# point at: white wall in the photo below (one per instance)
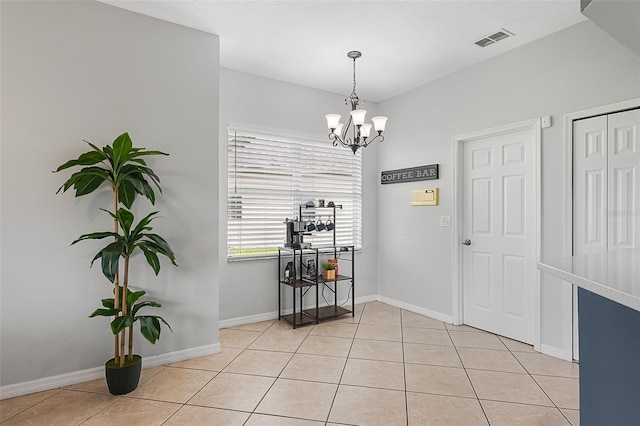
(85, 70)
(249, 288)
(574, 69)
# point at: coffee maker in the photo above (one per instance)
(295, 234)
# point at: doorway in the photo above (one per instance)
(497, 230)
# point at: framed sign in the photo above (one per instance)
(412, 174)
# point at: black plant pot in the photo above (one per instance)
(121, 380)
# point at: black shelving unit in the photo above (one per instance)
(301, 285)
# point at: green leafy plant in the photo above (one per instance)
(329, 266)
(123, 168)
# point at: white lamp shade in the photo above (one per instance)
(379, 122)
(338, 130)
(332, 120)
(358, 116)
(365, 129)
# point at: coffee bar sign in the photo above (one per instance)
(412, 174)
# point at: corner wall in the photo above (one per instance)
(574, 69)
(85, 70)
(249, 288)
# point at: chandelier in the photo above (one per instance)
(361, 130)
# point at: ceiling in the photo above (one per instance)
(404, 44)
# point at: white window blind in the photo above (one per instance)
(270, 176)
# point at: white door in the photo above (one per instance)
(499, 229)
(606, 187)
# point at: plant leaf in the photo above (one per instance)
(152, 258)
(120, 323)
(141, 305)
(110, 256)
(133, 297)
(150, 328)
(121, 148)
(86, 159)
(126, 193)
(104, 312)
(95, 236)
(125, 219)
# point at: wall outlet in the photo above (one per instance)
(445, 221)
(545, 121)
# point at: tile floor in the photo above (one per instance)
(385, 367)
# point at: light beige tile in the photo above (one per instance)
(572, 415)
(489, 359)
(546, 365)
(261, 363)
(280, 340)
(215, 362)
(563, 391)
(477, 340)
(507, 387)
(335, 329)
(233, 391)
(325, 345)
(134, 412)
(379, 350)
(286, 326)
(12, 406)
(64, 408)
(436, 410)
(148, 373)
(452, 327)
(255, 326)
(375, 374)
(444, 356)
(427, 336)
(509, 414)
(94, 386)
(379, 332)
(439, 380)
(266, 420)
(189, 415)
(411, 319)
(381, 317)
(300, 399)
(380, 307)
(173, 385)
(315, 368)
(368, 406)
(237, 338)
(515, 346)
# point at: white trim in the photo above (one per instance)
(569, 298)
(456, 273)
(417, 309)
(60, 380)
(273, 315)
(554, 352)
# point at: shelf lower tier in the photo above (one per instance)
(301, 318)
(325, 312)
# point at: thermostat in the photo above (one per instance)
(424, 197)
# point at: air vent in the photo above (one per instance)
(494, 38)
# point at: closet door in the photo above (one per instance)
(589, 185)
(623, 164)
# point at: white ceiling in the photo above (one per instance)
(404, 44)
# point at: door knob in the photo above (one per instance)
(466, 243)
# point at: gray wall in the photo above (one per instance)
(248, 288)
(574, 69)
(84, 70)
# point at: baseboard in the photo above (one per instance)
(232, 322)
(67, 379)
(417, 309)
(554, 352)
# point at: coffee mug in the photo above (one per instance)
(320, 203)
(320, 226)
(331, 204)
(330, 226)
(310, 226)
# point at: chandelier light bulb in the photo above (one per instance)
(358, 116)
(333, 120)
(365, 130)
(379, 122)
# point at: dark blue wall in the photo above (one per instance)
(609, 362)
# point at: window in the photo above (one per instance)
(270, 175)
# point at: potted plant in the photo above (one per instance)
(123, 167)
(329, 271)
